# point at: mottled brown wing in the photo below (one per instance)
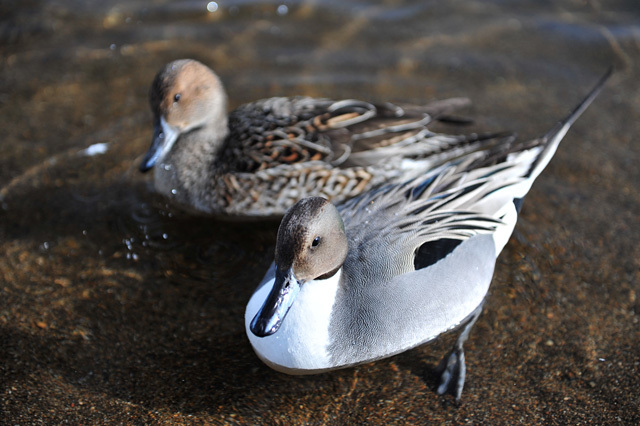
(271, 192)
(276, 131)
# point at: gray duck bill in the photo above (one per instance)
(281, 297)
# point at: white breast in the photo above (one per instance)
(301, 342)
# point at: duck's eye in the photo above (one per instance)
(176, 97)
(315, 242)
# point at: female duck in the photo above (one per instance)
(264, 156)
(395, 267)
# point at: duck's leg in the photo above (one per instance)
(452, 368)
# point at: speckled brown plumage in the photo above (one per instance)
(266, 155)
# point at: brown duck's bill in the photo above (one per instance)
(164, 136)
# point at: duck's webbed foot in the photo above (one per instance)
(452, 369)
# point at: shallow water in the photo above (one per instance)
(118, 308)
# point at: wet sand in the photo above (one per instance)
(116, 308)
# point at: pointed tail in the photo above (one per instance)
(552, 139)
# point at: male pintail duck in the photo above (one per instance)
(397, 266)
(264, 156)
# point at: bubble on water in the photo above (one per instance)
(283, 10)
(212, 6)
(132, 256)
(95, 149)
(128, 242)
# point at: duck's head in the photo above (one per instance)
(185, 95)
(311, 245)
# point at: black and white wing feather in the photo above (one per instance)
(479, 193)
